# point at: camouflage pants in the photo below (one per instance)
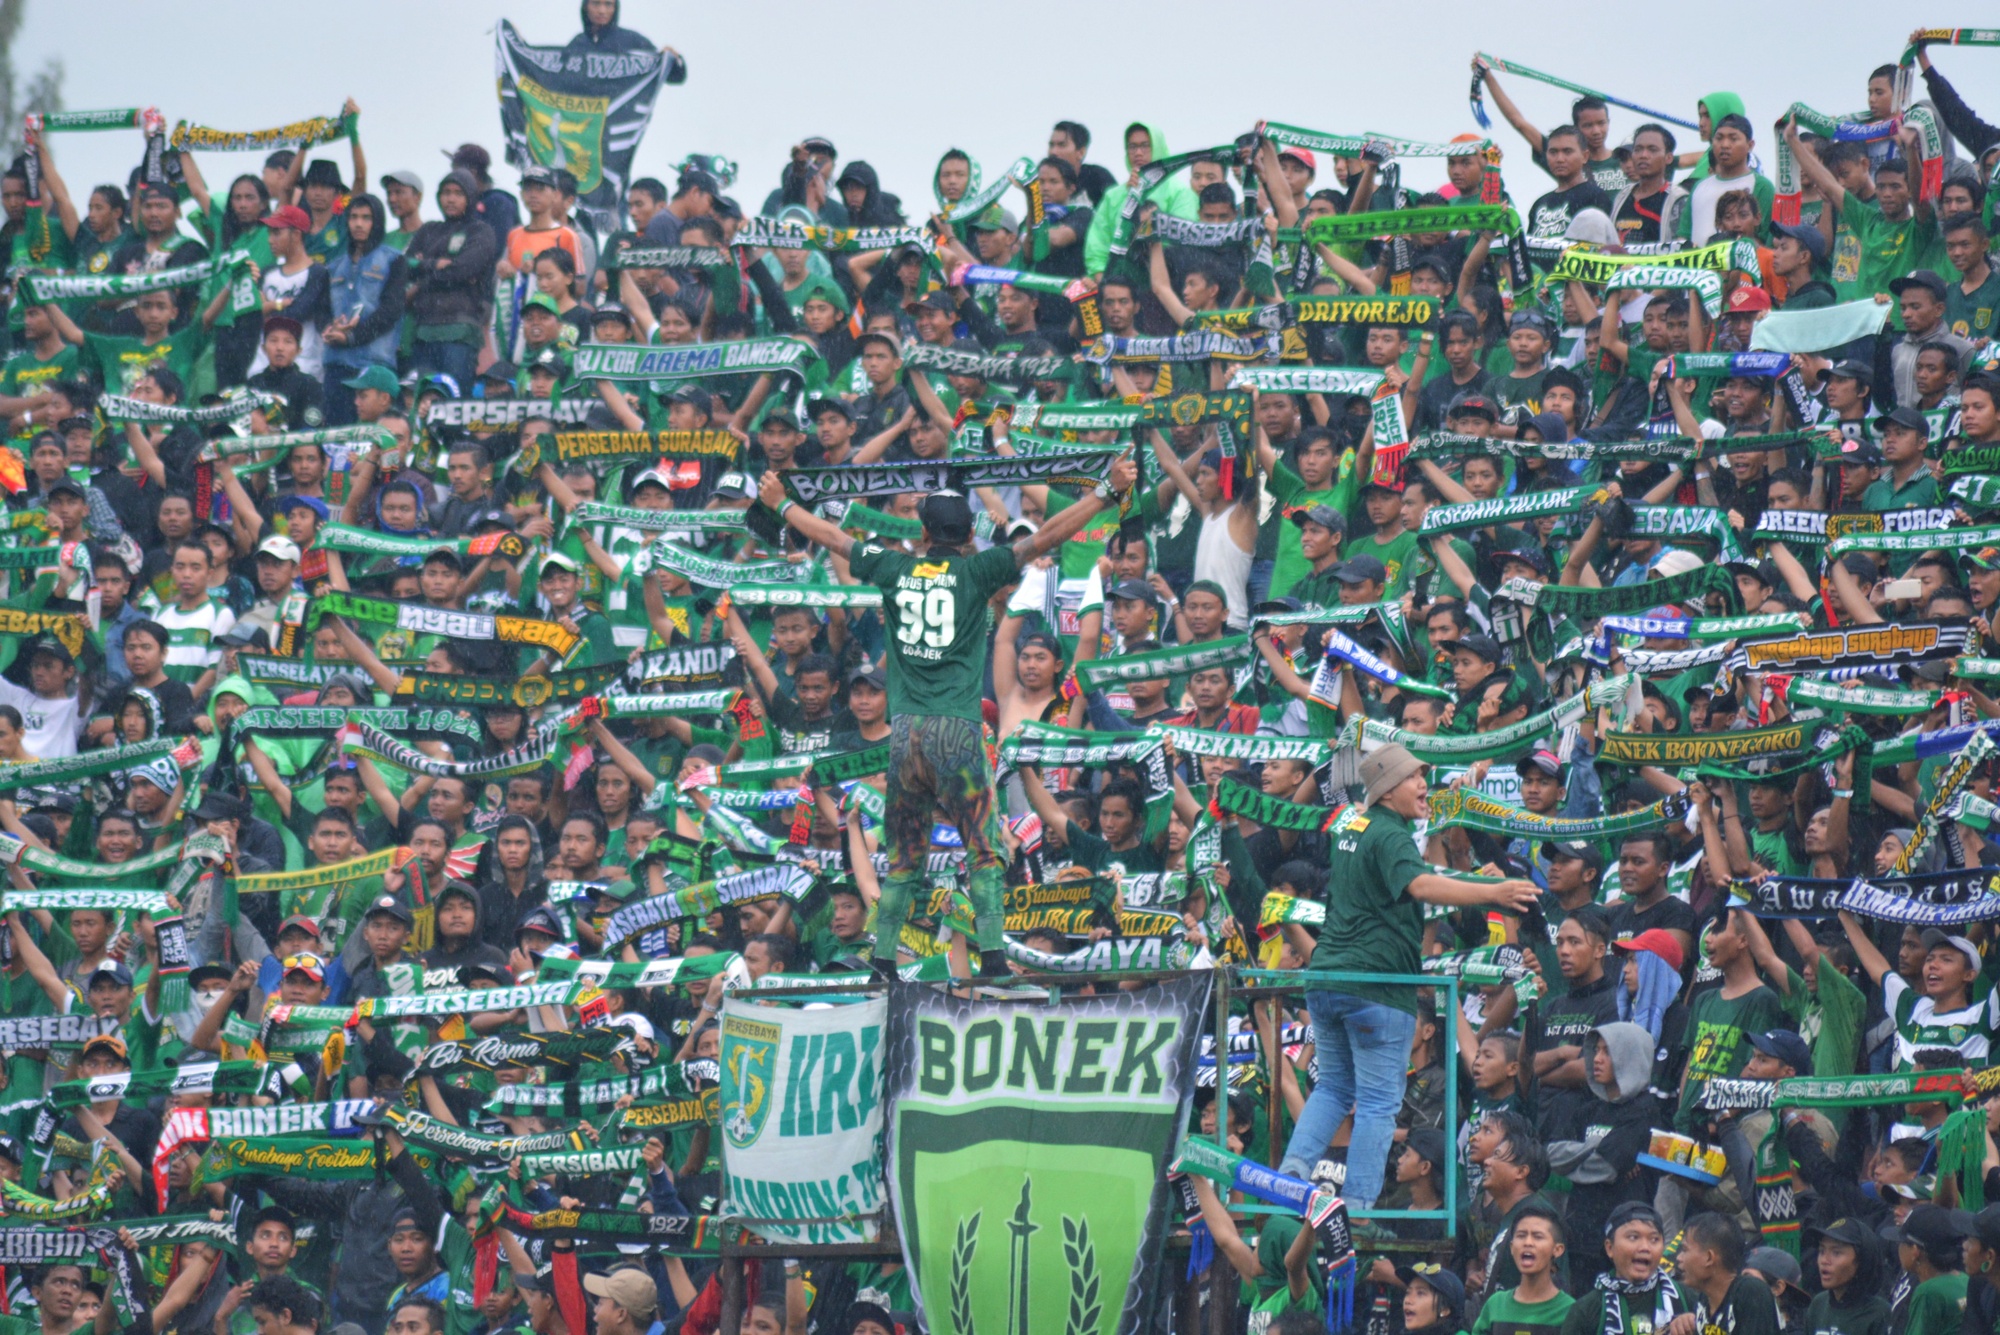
(938, 769)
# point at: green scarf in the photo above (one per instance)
(1346, 380)
(1583, 266)
(614, 447)
(306, 1158)
(666, 257)
(1584, 604)
(1445, 749)
(600, 1227)
(846, 766)
(1456, 445)
(860, 596)
(657, 521)
(854, 515)
(675, 705)
(1506, 509)
(1922, 540)
(681, 969)
(1673, 749)
(1235, 798)
(360, 433)
(1237, 746)
(1175, 661)
(1948, 781)
(89, 764)
(118, 408)
(338, 537)
(466, 1002)
(1342, 229)
(1841, 698)
(1050, 744)
(584, 1163)
(706, 572)
(267, 670)
(445, 621)
(91, 897)
(1973, 459)
(1470, 809)
(47, 287)
(456, 1142)
(70, 869)
(528, 692)
(1849, 738)
(781, 354)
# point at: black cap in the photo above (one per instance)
(1360, 569)
(1277, 606)
(49, 644)
(611, 310)
(1133, 590)
(1861, 453)
(10, 1149)
(390, 906)
(1533, 557)
(1848, 1230)
(539, 919)
(947, 517)
(1484, 645)
(1906, 417)
(68, 484)
(1926, 279)
(829, 404)
(695, 395)
(937, 300)
(1429, 1143)
(1984, 1225)
(1811, 238)
(478, 970)
(1927, 1226)
(501, 370)
(874, 676)
(1787, 1047)
(1470, 402)
(222, 806)
(1577, 850)
(1325, 516)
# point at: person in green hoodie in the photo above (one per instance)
(1709, 113)
(1143, 145)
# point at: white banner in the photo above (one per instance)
(802, 1118)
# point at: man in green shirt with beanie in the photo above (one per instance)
(1374, 924)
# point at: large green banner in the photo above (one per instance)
(1027, 1150)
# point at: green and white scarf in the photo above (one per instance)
(673, 704)
(1238, 746)
(1580, 603)
(1176, 661)
(1505, 509)
(471, 1001)
(805, 595)
(1048, 744)
(1234, 798)
(153, 902)
(1347, 380)
(90, 764)
(1349, 228)
(1445, 749)
(118, 408)
(1008, 370)
(46, 287)
(339, 537)
(1920, 540)
(1844, 698)
(706, 572)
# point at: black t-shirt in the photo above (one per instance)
(1565, 1022)
(1638, 219)
(1550, 216)
(1670, 913)
(303, 395)
(1436, 396)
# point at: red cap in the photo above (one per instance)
(291, 216)
(1304, 155)
(300, 920)
(312, 966)
(1747, 298)
(1654, 941)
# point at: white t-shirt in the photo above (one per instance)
(282, 287)
(1701, 204)
(48, 726)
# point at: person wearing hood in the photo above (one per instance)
(807, 183)
(1143, 145)
(868, 205)
(518, 884)
(601, 35)
(452, 264)
(1617, 1060)
(459, 939)
(1708, 114)
(1849, 1261)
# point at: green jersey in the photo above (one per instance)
(1504, 1314)
(1970, 314)
(1937, 1306)
(1718, 1047)
(121, 360)
(935, 610)
(1869, 250)
(1867, 1315)
(1288, 495)
(25, 374)
(1372, 925)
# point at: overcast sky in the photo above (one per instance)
(896, 82)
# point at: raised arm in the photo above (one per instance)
(1522, 124)
(1864, 949)
(747, 650)
(1055, 823)
(824, 532)
(1163, 285)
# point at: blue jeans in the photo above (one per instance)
(457, 360)
(1363, 1049)
(1260, 580)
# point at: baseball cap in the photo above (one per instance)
(1984, 1225)
(10, 1149)
(375, 377)
(1852, 369)
(1906, 417)
(887, 340)
(1774, 1263)
(1928, 1227)
(1811, 238)
(937, 300)
(111, 1042)
(1676, 562)
(1303, 155)
(1986, 558)
(468, 974)
(559, 561)
(539, 919)
(290, 215)
(874, 676)
(540, 301)
(1468, 402)
(1543, 759)
(279, 323)
(1132, 590)
(1578, 850)
(1532, 557)
(280, 547)
(993, 218)
(693, 394)
(829, 404)
(1360, 569)
(68, 484)
(1934, 938)
(1850, 1231)
(302, 922)
(501, 372)
(1861, 453)
(1278, 606)
(1747, 300)
(119, 975)
(1442, 1281)
(389, 906)
(535, 174)
(312, 503)
(1325, 516)
(610, 310)
(307, 963)
(1654, 941)
(1429, 1143)
(729, 484)
(549, 360)
(1926, 279)
(408, 178)
(1483, 645)
(1787, 1047)
(631, 1289)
